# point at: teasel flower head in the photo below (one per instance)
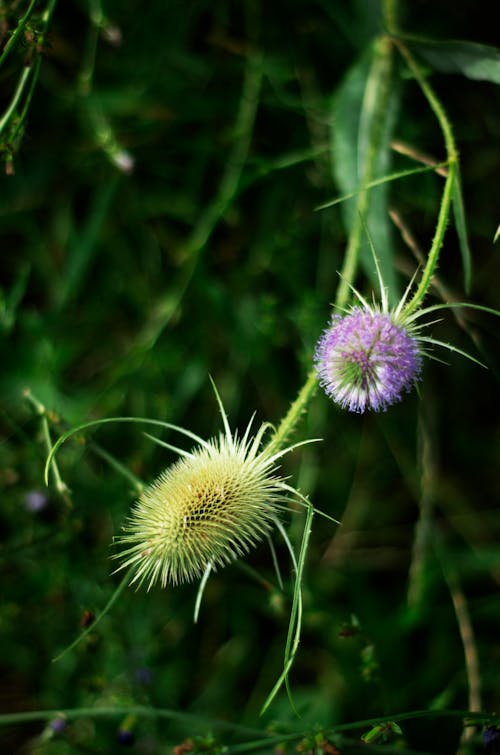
(205, 510)
(370, 354)
(366, 359)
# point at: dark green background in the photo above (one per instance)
(96, 255)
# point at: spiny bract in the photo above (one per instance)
(205, 510)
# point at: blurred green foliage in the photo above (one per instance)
(158, 224)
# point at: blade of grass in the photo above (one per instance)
(461, 226)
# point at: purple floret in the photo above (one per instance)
(35, 501)
(365, 360)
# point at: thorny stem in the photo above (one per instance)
(452, 161)
(295, 412)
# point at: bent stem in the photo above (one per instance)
(41, 411)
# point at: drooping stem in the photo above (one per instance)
(41, 411)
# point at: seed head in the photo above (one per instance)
(208, 508)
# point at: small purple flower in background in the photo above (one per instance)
(366, 360)
(35, 501)
(57, 725)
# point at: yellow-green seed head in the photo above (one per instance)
(208, 508)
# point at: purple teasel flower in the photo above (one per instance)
(371, 354)
(366, 360)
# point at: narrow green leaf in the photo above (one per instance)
(379, 182)
(474, 60)
(461, 226)
(295, 623)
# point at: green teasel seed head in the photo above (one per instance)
(206, 509)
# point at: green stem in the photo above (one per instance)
(32, 70)
(89, 58)
(446, 200)
(41, 411)
(24, 112)
(380, 79)
(17, 32)
(46, 18)
(141, 711)
(378, 83)
(191, 719)
(11, 109)
(293, 415)
(423, 529)
(390, 15)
